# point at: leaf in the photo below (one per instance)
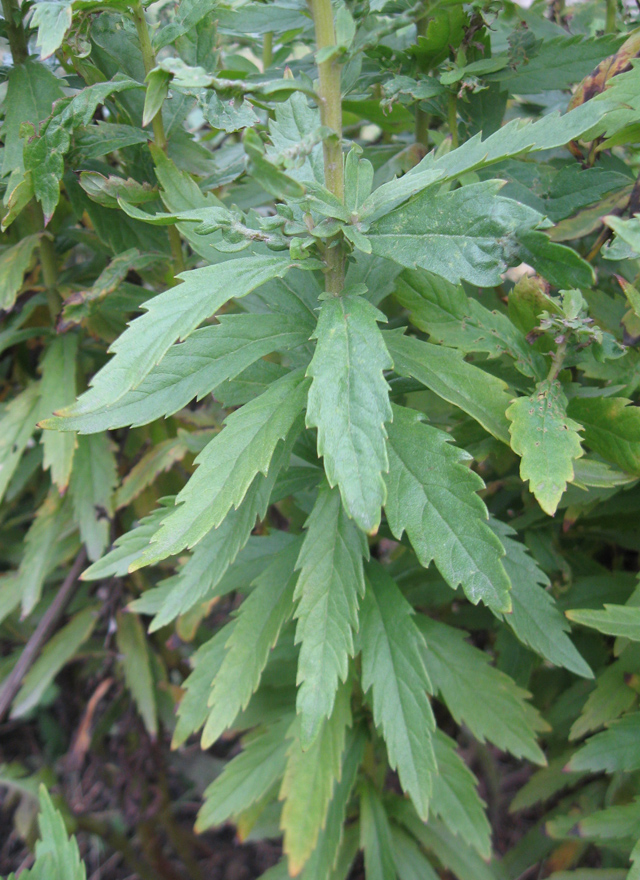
(58, 388)
(292, 134)
(58, 651)
(31, 91)
(489, 702)
(246, 778)
(547, 441)
(375, 835)
(613, 823)
(468, 233)
(309, 782)
(410, 861)
(612, 695)
(611, 428)
(57, 854)
(197, 367)
(260, 619)
(136, 663)
(17, 424)
(330, 582)
(613, 750)
(127, 549)
(445, 372)
(349, 404)
(157, 90)
(535, 618)
(158, 460)
(53, 20)
(44, 548)
(393, 667)
(455, 798)
(613, 620)
(14, 262)
(229, 463)
(433, 496)
(327, 849)
(169, 316)
(92, 487)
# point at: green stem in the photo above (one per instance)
(330, 101)
(612, 11)
(422, 118)
(452, 112)
(267, 51)
(557, 361)
(15, 31)
(159, 134)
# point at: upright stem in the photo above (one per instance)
(159, 134)
(15, 32)
(452, 108)
(612, 11)
(422, 118)
(267, 51)
(330, 100)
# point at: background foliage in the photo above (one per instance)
(319, 442)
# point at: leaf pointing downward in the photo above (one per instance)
(349, 404)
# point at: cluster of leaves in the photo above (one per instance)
(357, 434)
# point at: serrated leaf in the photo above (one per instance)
(228, 465)
(169, 316)
(375, 835)
(58, 389)
(14, 262)
(611, 428)
(53, 20)
(260, 619)
(489, 702)
(410, 861)
(613, 620)
(247, 777)
(393, 667)
(58, 651)
(534, 617)
(612, 695)
(483, 396)
(57, 854)
(127, 549)
(158, 460)
(613, 823)
(547, 441)
(455, 797)
(330, 583)
(432, 495)
(92, 486)
(467, 233)
(310, 779)
(17, 424)
(136, 663)
(349, 404)
(613, 750)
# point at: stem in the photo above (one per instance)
(330, 101)
(612, 11)
(31, 650)
(422, 118)
(15, 32)
(267, 51)
(159, 134)
(452, 111)
(556, 361)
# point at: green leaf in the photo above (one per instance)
(445, 372)
(559, 264)
(293, 134)
(127, 549)
(349, 404)
(246, 778)
(410, 861)
(17, 424)
(260, 619)
(327, 849)
(57, 854)
(58, 389)
(196, 367)
(455, 798)
(309, 781)
(228, 465)
(613, 620)
(58, 651)
(14, 262)
(612, 695)
(489, 702)
(136, 663)
(613, 823)
(547, 441)
(613, 750)
(44, 549)
(31, 92)
(169, 316)
(375, 835)
(611, 428)
(432, 495)
(93, 482)
(158, 460)
(393, 666)
(157, 90)
(53, 20)
(535, 618)
(468, 233)
(331, 580)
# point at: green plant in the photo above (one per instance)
(377, 382)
